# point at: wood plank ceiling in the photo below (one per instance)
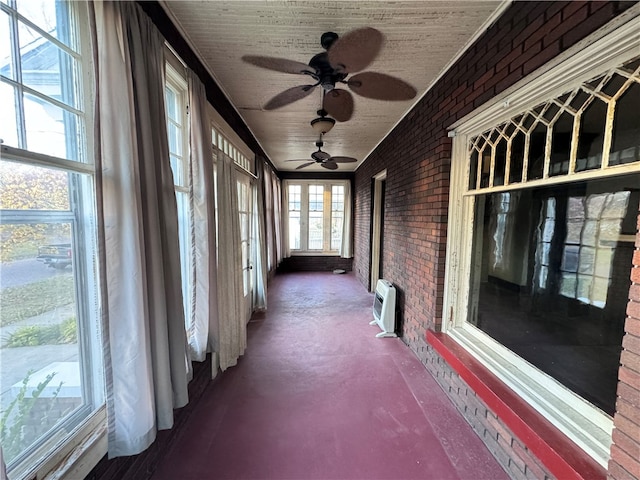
(420, 40)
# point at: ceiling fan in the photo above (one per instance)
(344, 55)
(323, 158)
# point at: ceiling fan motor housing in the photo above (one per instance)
(327, 75)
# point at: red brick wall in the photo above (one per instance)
(318, 263)
(417, 156)
(508, 450)
(625, 452)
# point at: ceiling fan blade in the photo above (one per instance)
(330, 165)
(339, 104)
(320, 156)
(298, 160)
(343, 159)
(381, 86)
(304, 165)
(278, 64)
(355, 50)
(289, 96)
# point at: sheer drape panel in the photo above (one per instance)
(270, 222)
(277, 212)
(232, 327)
(203, 326)
(285, 225)
(145, 348)
(259, 248)
(273, 220)
(346, 250)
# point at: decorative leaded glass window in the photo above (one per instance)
(544, 199)
(595, 127)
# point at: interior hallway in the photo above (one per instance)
(317, 396)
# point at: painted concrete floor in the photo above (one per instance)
(317, 396)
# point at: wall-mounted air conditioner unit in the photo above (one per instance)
(384, 309)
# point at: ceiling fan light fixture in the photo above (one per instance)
(322, 125)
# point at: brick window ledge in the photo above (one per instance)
(563, 458)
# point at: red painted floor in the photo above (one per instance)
(317, 396)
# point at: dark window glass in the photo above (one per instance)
(486, 166)
(500, 162)
(553, 281)
(473, 170)
(625, 145)
(537, 144)
(517, 157)
(592, 136)
(561, 145)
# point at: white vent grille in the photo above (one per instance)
(384, 309)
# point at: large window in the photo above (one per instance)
(337, 215)
(294, 207)
(315, 216)
(176, 98)
(50, 351)
(552, 278)
(246, 202)
(542, 228)
(246, 235)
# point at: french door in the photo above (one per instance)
(245, 212)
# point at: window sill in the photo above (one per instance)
(311, 253)
(76, 457)
(560, 455)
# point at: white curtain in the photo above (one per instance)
(284, 202)
(273, 201)
(270, 219)
(144, 334)
(259, 245)
(277, 212)
(345, 246)
(232, 326)
(204, 301)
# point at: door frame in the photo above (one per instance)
(377, 222)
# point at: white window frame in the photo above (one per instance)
(178, 84)
(228, 142)
(245, 209)
(587, 426)
(76, 453)
(304, 216)
(175, 80)
(331, 217)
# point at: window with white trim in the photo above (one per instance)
(294, 207)
(51, 371)
(246, 194)
(243, 185)
(240, 159)
(542, 226)
(315, 215)
(337, 215)
(176, 99)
